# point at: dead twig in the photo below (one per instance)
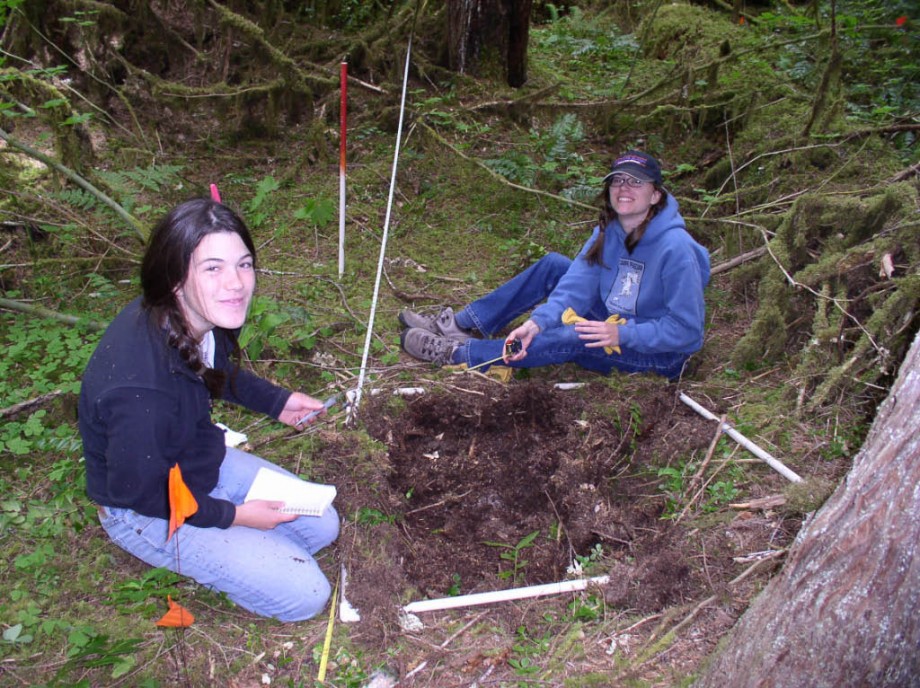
(31, 403)
(694, 481)
(421, 666)
(441, 502)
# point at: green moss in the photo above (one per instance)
(806, 496)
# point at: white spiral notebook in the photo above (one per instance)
(299, 496)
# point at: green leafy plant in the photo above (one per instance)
(154, 585)
(513, 555)
(13, 635)
(127, 185)
(260, 207)
(454, 589)
(589, 608)
(526, 647)
(673, 487)
(318, 211)
(88, 648)
(586, 562)
(263, 329)
(719, 493)
(49, 357)
(367, 516)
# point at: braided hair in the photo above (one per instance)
(165, 268)
(594, 255)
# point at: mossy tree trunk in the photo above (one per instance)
(843, 612)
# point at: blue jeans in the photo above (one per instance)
(497, 310)
(269, 572)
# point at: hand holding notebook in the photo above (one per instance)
(299, 496)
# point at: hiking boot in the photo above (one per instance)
(443, 324)
(427, 346)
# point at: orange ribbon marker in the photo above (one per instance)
(182, 503)
(177, 616)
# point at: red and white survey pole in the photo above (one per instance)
(342, 122)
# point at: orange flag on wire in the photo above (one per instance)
(177, 616)
(182, 502)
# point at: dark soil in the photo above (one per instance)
(470, 471)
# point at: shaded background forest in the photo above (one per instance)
(788, 134)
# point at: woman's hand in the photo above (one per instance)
(524, 334)
(299, 405)
(597, 333)
(261, 514)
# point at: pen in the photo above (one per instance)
(331, 401)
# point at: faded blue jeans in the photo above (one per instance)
(496, 310)
(269, 572)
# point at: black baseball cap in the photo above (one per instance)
(638, 165)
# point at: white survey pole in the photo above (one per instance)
(771, 460)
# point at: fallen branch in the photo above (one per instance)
(78, 180)
(772, 461)
(738, 260)
(762, 503)
(25, 405)
(818, 295)
(440, 139)
(42, 312)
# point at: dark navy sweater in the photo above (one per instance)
(142, 410)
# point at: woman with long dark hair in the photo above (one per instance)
(631, 300)
(145, 407)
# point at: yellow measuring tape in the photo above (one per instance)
(324, 660)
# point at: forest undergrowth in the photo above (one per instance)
(792, 155)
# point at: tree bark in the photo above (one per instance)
(845, 610)
(475, 27)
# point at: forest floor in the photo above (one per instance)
(477, 485)
(480, 486)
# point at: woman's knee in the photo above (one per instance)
(301, 599)
(556, 262)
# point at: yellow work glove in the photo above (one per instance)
(496, 372)
(570, 317)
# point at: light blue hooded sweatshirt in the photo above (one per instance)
(658, 288)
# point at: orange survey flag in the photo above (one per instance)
(182, 502)
(177, 616)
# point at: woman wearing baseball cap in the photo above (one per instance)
(631, 300)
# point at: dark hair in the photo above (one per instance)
(595, 254)
(165, 268)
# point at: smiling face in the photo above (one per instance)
(219, 286)
(632, 203)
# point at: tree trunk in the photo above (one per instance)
(845, 610)
(482, 30)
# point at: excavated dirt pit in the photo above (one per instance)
(485, 487)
